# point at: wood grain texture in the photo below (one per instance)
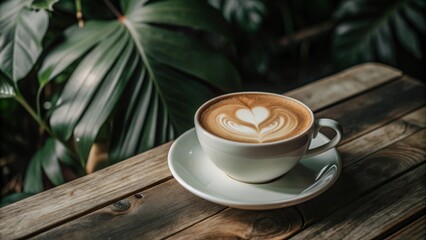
(70, 200)
(180, 204)
(375, 213)
(160, 215)
(418, 118)
(373, 109)
(345, 84)
(243, 224)
(367, 174)
(152, 214)
(415, 230)
(379, 138)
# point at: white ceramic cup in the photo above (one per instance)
(262, 162)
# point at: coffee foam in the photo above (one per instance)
(255, 118)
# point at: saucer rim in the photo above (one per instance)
(252, 206)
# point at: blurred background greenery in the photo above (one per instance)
(275, 46)
(287, 43)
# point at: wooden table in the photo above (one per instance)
(381, 192)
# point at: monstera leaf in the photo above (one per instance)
(21, 32)
(366, 30)
(143, 74)
(246, 14)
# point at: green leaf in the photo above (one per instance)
(348, 42)
(366, 31)
(145, 77)
(33, 181)
(150, 124)
(21, 34)
(66, 156)
(130, 117)
(185, 13)
(77, 42)
(14, 197)
(415, 17)
(46, 160)
(183, 110)
(246, 14)
(130, 6)
(43, 4)
(83, 84)
(407, 37)
(420, 3)
(107, 95)
(50, 163)
(186, 54)
(385, 45)
(350, 9)
(6, 89)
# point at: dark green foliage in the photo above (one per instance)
(132, 81)
(21, 32)
(47, 160)
(372, 30)
(246, 14)
(115, 54)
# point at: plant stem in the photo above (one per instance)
(113, 9)
(37, 117)
(40, 89)
(79, 13)
(33, 114)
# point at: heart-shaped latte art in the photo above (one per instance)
(255, 118)
(258, 124)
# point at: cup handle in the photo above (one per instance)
(330, 123)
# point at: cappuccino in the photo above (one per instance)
(256, 118)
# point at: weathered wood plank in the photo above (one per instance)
(166, 217)
(366, 174)
(377, 212)
(151, 214)
(372, 99)
(415, 230)
(37, 214)
(243, 224)
(356, 180)
(371, 110)
(418, 118)
(345, 84)
(130, 222)
(379, 138)
(70, 200)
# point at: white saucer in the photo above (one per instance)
(194, 171)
